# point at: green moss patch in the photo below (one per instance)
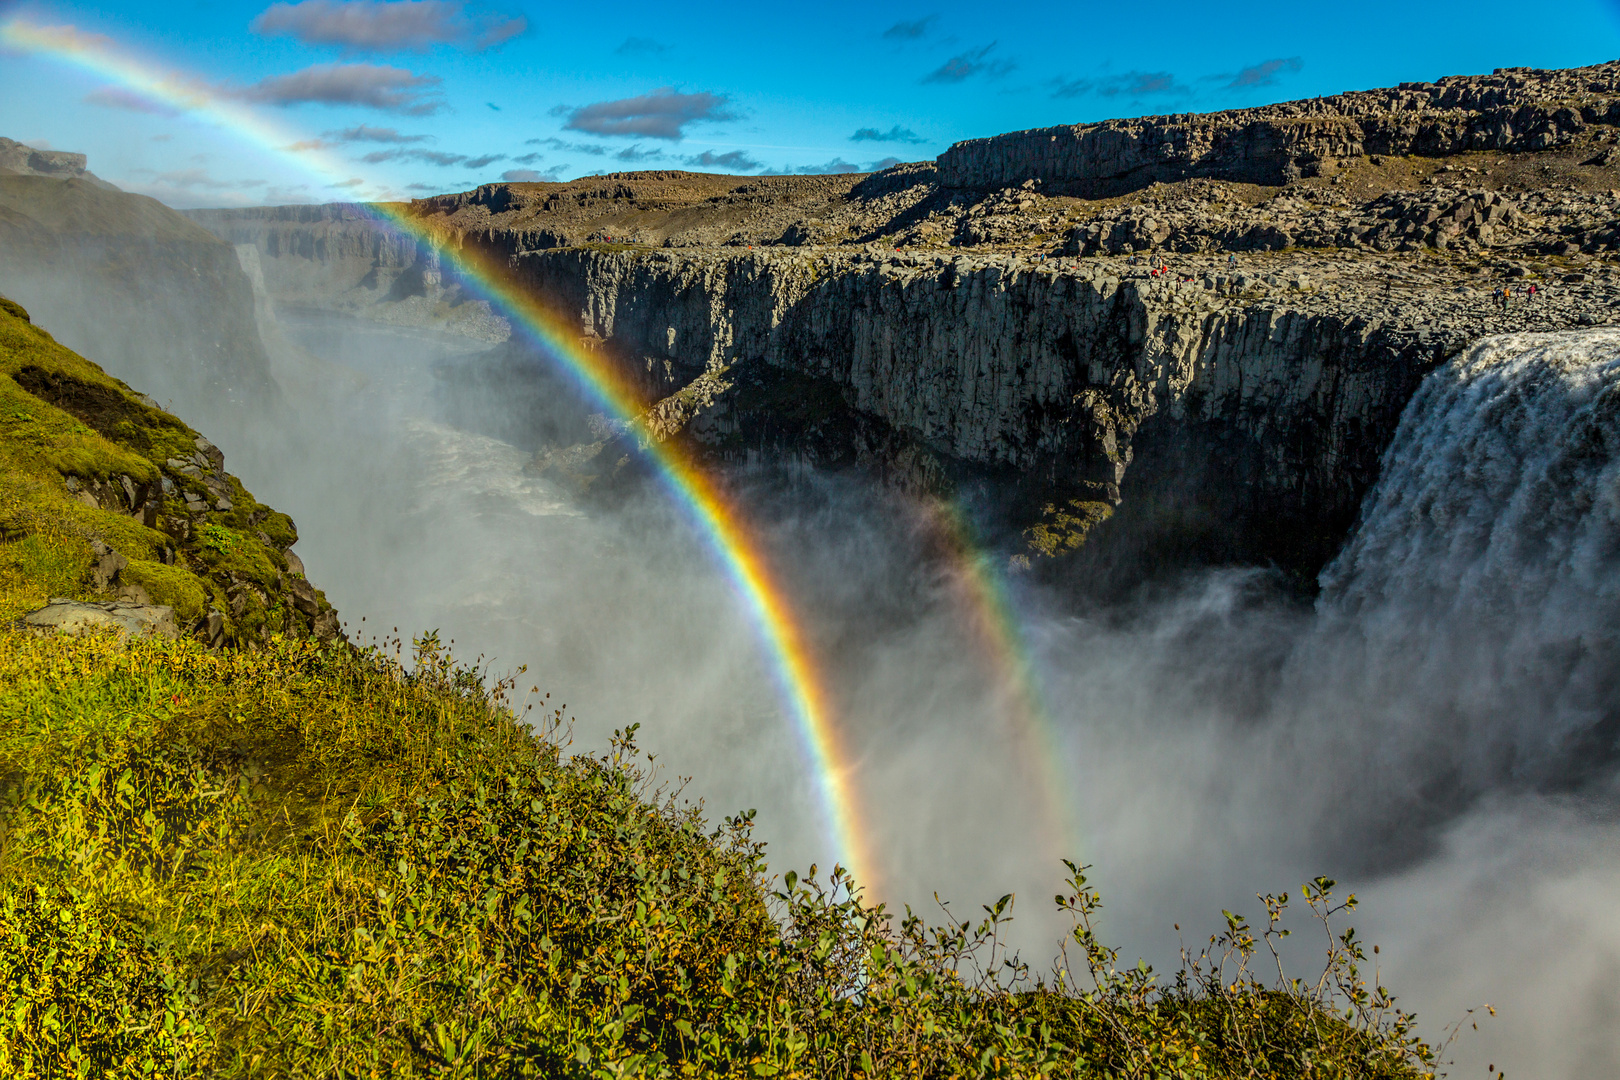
(176, 588)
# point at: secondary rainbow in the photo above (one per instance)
(982, 590)
(739, 552)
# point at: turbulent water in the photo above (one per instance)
(1438, 733)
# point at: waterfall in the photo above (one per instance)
(1478, 601)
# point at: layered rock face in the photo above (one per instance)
(1509, 110)
(346, 257)
(1203, 407)
(23, 160)
(130, 283)
(1218, 362)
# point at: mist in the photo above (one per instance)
(1436, 731)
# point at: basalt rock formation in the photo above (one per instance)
(20, 159)
(1512, 109)
(1182, 346)
(132, 284)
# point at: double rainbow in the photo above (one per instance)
(738, 550)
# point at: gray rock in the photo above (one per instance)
(74, 617)
(1514, 110)
(303, 596)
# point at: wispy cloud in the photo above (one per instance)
(529, 176)
(483, 160)
(431, 157)
(733, 160)
(641, 46)
(910, 31)
(116, 97)
(196, 178)
(70, 38)
(366, 133)
(562, 144)
(883, 163)
(896, 134)
(195, 186)
(965, 65)
(1131, 84)
(636, 153)
(836, 165)
(1265, 73)
(387, 25)
(662, 114)
(374, 86)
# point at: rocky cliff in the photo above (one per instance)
(132, 284)
(1213, 364)
(20, 159)
(1513, 109)
(1236, 415)
(114, 513)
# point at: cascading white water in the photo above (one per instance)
(1481, 588)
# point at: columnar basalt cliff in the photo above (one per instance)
(1035, 382)
(1216, 357)
(1514, 109)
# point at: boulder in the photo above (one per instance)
(75, 617)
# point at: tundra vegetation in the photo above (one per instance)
(261, 853)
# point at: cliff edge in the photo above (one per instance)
(108, 501)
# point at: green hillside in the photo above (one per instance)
(249, 851)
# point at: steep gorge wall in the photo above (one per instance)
(129, 283)
(1238, 427)
(331, 255)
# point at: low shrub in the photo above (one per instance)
(316, 860)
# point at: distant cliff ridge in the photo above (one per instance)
(131, 284)
(346, 257)
(24, 160)
(1514, 109)
(987, 324)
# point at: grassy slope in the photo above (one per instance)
(80, 424)
(303, 859)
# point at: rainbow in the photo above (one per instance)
(738, 550)
(982, 590)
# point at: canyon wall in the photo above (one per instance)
(971, 326)
(1514, 109)
(345, 257)
(1240, 422)
(134, 286)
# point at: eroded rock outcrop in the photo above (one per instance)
(1513, 109)
(129, 513)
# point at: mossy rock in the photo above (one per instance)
(87, 461)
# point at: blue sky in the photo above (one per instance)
(419, 96)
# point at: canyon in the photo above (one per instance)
(1177, 374)
(1157, 341)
